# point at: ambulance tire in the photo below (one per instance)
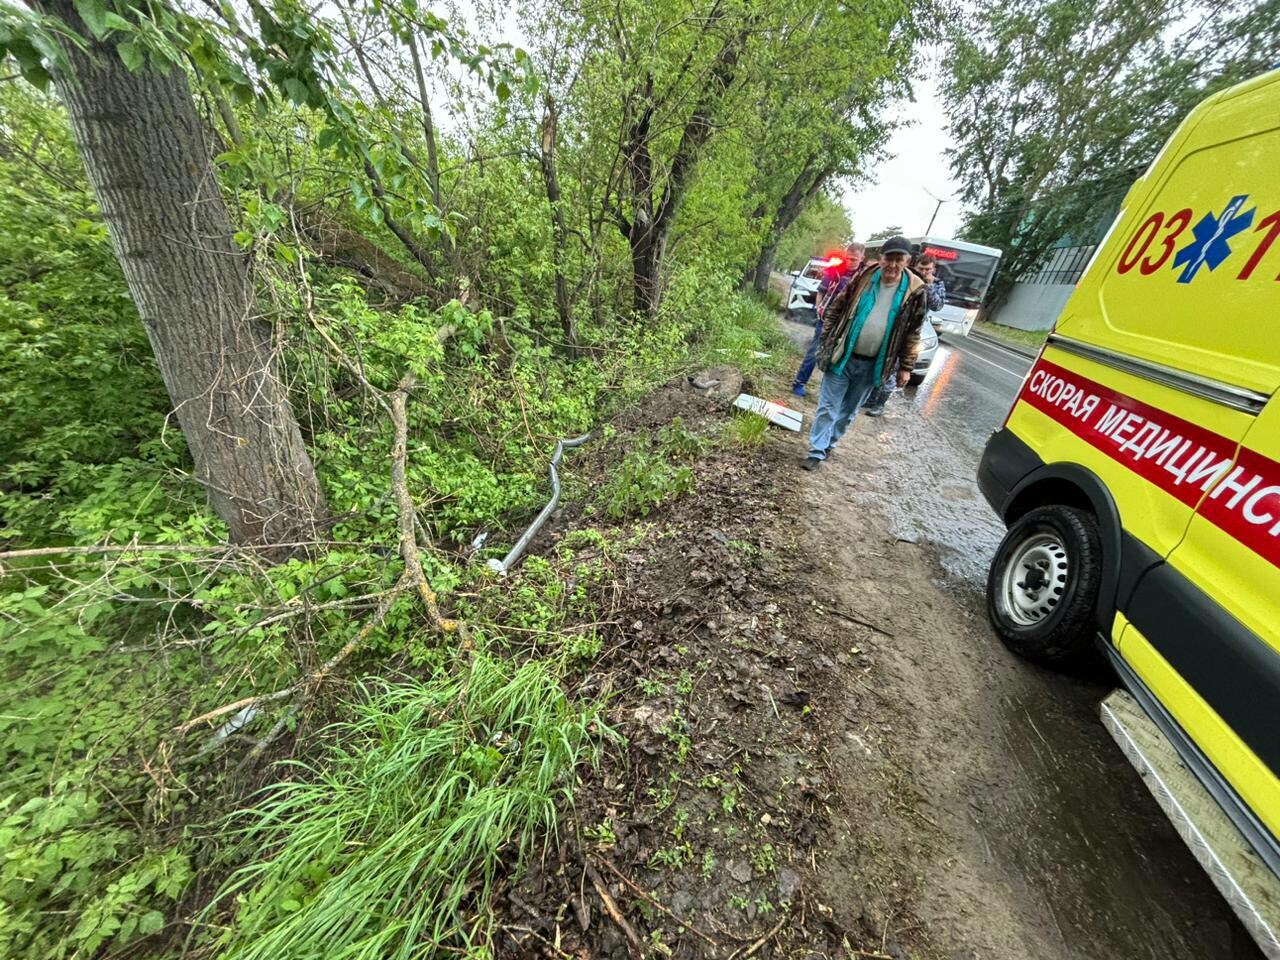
(1053, 620)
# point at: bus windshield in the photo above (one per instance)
(966, 274)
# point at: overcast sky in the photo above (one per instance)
(897, 193)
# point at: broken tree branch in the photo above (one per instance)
(407, 510)
(635, 888)
(750, 951)
(311, 679)
(108, 548)
(412, 578)
(857, 620)
(611, 907)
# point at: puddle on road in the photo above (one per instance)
(1074, 821)
(926, 487)
(1058, 812)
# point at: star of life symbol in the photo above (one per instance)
(1210, 246)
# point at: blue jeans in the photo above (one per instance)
(880, 396)
(810, 356)
(838, 401)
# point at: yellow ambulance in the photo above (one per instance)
(1138, 473)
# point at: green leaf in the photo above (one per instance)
(131, 54)
(94, 15)
(297, 90)
(150, 922)
(328, 137)
(116, 22)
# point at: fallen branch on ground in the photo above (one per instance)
(761, 942)
(110, 548)
(313, 679)
(611, 907)
(406, 509)
(413, 578)
(635, 887)
(857, 620)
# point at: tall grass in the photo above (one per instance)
(434, 785)
(746, 429)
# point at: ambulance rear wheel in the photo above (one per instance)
(1042, 591)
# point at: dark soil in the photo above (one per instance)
(712, 830)
(828, 754)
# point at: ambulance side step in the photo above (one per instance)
(1243, 879)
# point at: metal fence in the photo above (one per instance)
(1065, 265)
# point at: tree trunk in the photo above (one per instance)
(428, 126)
(550, 179)
(147, 160)
(653, 218)
(764, 265)
(749, 275)
(646, 266)
(803, 189)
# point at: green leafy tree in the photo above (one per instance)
(826, 109)
(884, 233)
(823, 225)
(147, 157)
(1056, 106)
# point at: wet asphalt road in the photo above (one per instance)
(1071, 823)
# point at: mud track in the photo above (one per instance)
(828, 753)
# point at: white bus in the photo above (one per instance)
(966, 268)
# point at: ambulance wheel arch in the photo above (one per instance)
(1071, 485)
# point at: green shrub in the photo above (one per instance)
(641, 482)
(746, 429)
(678, 442)
(56, 853)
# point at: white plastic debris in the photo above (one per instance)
(775, 413)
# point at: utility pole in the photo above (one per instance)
(941, 201)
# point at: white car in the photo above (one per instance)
(803, 295)
(928, 347)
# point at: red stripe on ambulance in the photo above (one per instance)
(1181, 458)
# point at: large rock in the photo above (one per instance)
(722, 382)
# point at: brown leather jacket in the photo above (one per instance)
(904, 337)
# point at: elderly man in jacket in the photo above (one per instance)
(872, 326)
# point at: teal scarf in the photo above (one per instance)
(860, 314)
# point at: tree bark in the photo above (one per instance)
(652, 220)
(547, 158)
(803, 189)
(147, 159)
(428, 126)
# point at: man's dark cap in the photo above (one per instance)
(895, 245)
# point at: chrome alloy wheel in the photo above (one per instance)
(1034, 579)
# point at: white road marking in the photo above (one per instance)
(975, 355)
(1001, 346)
